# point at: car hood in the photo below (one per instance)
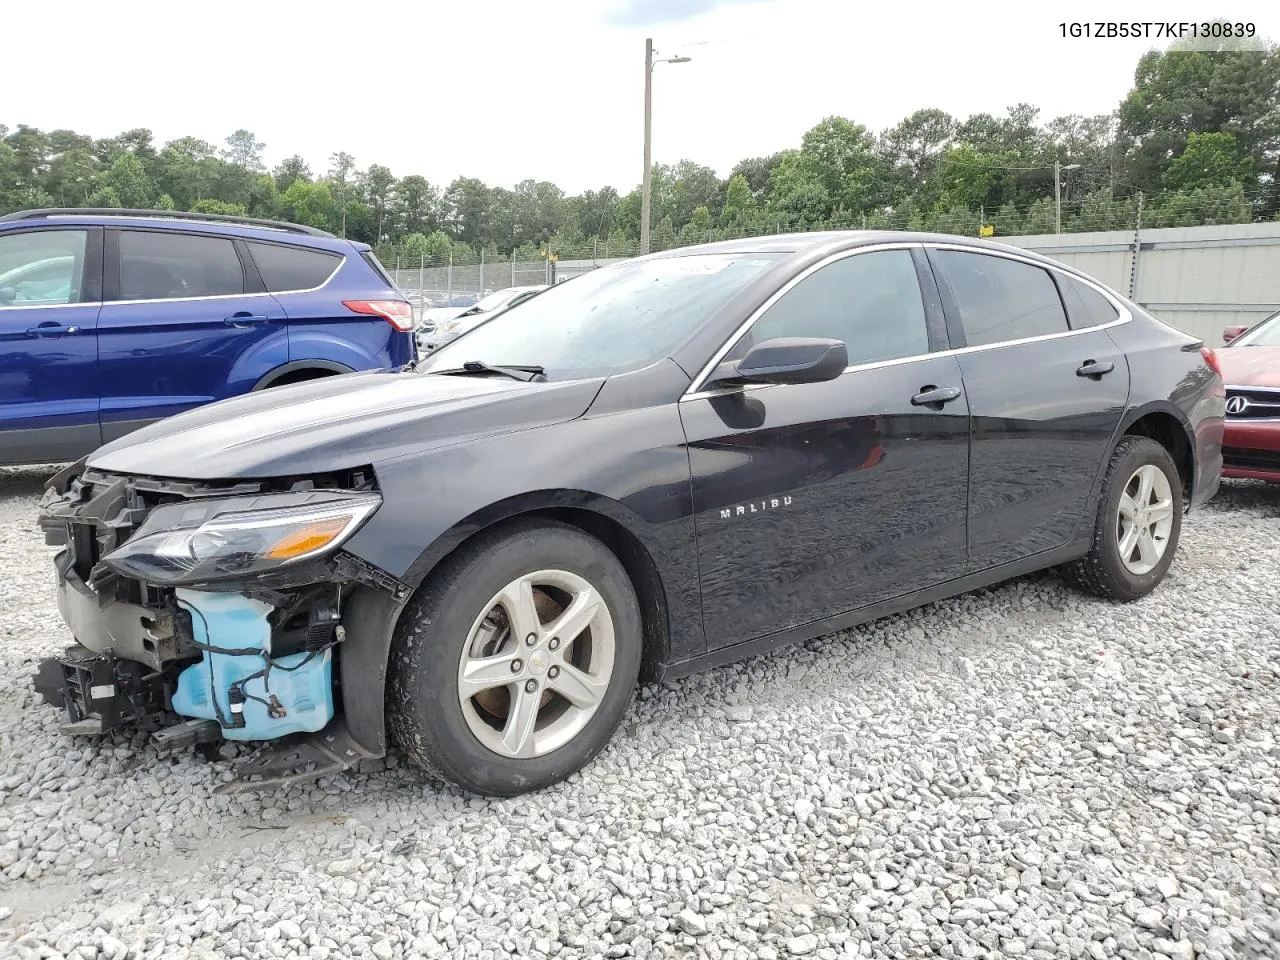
(338, 422)
(1250, 366)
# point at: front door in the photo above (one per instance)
(185, 323)
(814, 499)
(50, 283)
(1046, 397)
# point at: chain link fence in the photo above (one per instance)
(462, 276)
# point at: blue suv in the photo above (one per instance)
(112, 319)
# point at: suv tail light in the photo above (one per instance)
(1211, 359)
(398, 313)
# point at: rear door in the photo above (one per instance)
(184, 323)
(1046, 398)
(50, 293)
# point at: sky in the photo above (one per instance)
(505, 90)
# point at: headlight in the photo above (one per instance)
(199, 542)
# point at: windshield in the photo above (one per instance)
(609, 321)
(1265, 334)
(493, 301)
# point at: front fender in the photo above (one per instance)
(630, 467)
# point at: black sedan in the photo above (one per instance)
(667, 464)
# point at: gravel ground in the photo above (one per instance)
(1021, 772)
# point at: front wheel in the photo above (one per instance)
(1138, 524)
(513, 666)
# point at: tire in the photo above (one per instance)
(476, 742)
(1104, 571)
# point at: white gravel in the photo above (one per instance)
(1017, 773)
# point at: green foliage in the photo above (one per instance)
(219, 207)
(1209, 160)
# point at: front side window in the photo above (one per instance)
(41, 267)
(169, 265)
(609, 321)
(1001, 299)
(871, 301)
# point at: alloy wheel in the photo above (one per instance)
(1145, 519)
(536, 664)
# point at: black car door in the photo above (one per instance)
(814, 499)
(1046, 397)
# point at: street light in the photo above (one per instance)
(646, 185)
(1057, 189)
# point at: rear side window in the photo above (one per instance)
(1086, 307)
(377, 267)
(292, 268)
(168, 265)
(1001, 299)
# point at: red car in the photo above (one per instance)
(1251, 371)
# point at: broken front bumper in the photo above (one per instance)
(246, 661)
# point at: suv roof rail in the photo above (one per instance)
(47, 212)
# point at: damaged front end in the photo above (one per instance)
(210, 611)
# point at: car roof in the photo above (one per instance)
(180, 221)
(835, 240)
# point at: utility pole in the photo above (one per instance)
(646, 184)
(1057, 196)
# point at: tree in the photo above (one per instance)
(340, 166)
(380, 183)
(291, 169)
(129, 181)
(308, 203)
(416, 205)
(468, 209)
(1209, 160)
(244, 151)
(1181, 91)
(739, 202)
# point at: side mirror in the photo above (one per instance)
(1233, 333)
(786, 360)
(8, 295)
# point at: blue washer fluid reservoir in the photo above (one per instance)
(229, 621)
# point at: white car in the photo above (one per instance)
(440, 325)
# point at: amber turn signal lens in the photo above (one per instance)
(304, 540)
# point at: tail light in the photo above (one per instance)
(1211, 359)
(398, 313)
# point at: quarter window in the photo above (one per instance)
(871, 301)
(1001, 299)
(41, 268)
(168, 265)
(1086, 307)
(292, 268)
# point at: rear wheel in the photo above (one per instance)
(1138, 525)
(515, 663)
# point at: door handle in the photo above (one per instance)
(935, 397)
(50, 330)
(244, 320)
(1094, 369)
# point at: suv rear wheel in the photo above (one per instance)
(513, 666)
